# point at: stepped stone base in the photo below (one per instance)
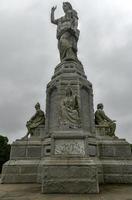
(114, 148)
(20, 171)
(24, 160)
(117, 171)
(71, 175)
(26, 149)
(101, 160)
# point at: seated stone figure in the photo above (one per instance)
(35, 121)
(69, 115)
(102, 120)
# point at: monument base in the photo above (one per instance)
(20, 171)
(113, 148)
(117, 171)
(69, 162)
(69, 168)
(69, 175)
(24, 160)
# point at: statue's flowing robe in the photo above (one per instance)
(67, 35)
(36, 120)
(101, 118)
(69, 111)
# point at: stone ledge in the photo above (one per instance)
(78, 186)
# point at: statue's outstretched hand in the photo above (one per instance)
(53, 8)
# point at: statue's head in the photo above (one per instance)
(100, 106)
(67, 6)
(37, 106)
(68, 91)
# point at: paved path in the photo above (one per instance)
(32, 192)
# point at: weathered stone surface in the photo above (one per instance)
(92, 150)
(117, 171)
(20, 171)
(32, 192)
(18, 151)
(101, 130)
(70, 177)
(19, 178)
(34, 151)
(114, 148)
(39, 132)
(69, 147)
(70, 186)
(56, 92)
(26, 149)
(7, 169)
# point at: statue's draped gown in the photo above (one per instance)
(67, 35)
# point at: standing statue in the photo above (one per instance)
(102, 119)
(67, 32)
(69, 115)
(35, 121)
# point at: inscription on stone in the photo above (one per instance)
(69, 146)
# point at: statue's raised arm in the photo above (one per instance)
(53, 20)
(67, 32)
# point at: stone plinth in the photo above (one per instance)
(24, 160)
(71, 175)
(73, 143)
(70, 169)
(115, 157)
(114, 148)
(101, 130)
(28, 149)
(117, 170)
(39, 132)
(23, 164)
(20, 171)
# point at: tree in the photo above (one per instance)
(131, 147)
(4, 150)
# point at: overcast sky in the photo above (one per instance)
(29, 54)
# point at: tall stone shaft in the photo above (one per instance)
(69, 74)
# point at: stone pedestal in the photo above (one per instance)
(70, 169)
(25, 157)
(117, 170)
(69, 175)
(115, 157)
(114, 148)
(20, 171)
(69, 74)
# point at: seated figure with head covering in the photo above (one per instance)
(70, 110)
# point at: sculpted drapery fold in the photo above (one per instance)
(67, 32)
